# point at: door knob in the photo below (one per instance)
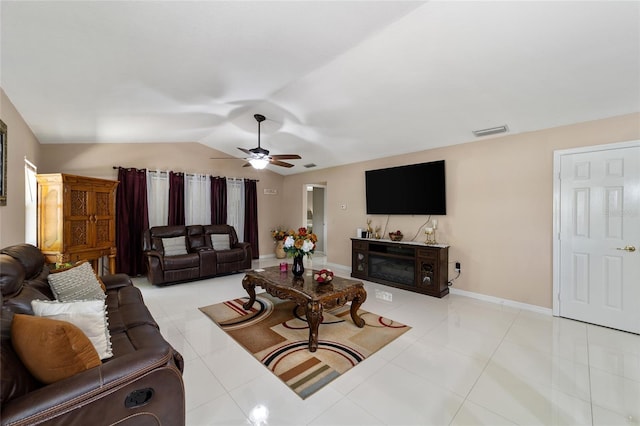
(627, 248)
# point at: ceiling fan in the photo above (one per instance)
(258, 157)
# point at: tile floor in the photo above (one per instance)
(465, 362)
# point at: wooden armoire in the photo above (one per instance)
(77, 219)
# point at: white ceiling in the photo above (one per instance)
(339, 81)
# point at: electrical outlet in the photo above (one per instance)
(384, 295)
(457, 266)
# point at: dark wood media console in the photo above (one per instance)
(411, 266)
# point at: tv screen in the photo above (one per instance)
(413, 189)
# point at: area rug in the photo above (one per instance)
(276, 333)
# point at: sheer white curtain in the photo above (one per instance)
(235, 205)
(158, 197)
(30, 203)
(197, 199)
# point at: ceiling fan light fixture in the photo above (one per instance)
(258, 163)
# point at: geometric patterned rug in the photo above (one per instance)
(277, 335)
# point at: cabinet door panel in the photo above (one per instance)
(77, 233)
(104, 206)
(103, 232)
(428, 279)
(359, 266)
(78, 203)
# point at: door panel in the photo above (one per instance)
(599, 216)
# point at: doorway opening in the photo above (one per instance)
(313, 208)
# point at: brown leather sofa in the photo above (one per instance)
(141, 384)
(200, 258)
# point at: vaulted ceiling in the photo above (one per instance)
(339, 81)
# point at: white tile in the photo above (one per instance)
(471, 414)
(419, 317)
(525, 402)
(200, 384)
(556, 336)
(463, 340)
(398, 346)
(230, 353)
(441, 366)
(604, 417)
(283, 405)
(481, 317)
(614, 351)
(359, 374)
(543, 368)
(345, 413)
(398, 397)
(221, 411)
(179, 342)
(616, 393)
(614, 339)
(204, 336)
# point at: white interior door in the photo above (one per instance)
(599, 237)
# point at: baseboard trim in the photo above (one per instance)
(501, 301)
(479, 296)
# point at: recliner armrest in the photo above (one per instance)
(157, 255)
(115, 281)
(244, 246)
(100, 393)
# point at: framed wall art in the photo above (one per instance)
(3, 163)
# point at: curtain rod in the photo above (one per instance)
(183, 173)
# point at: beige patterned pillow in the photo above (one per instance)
(90, 316)
(174, 246)
(77, 283)
(220, 241)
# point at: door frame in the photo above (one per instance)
(304, 210)
(557, 155)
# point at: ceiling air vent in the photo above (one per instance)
(310, 165)
(491, 131)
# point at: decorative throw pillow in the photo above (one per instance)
(90, 316)
(76, 283)
(51, 350)
(220, 241)
(174, 246)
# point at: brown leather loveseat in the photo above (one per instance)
(141, 384)
(185, 253)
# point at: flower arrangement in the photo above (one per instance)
(279, 234)
(300, 243)
(323, 276)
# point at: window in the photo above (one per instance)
(30, 203)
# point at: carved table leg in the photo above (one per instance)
(250, 287)
(314, 315)
(355, 305)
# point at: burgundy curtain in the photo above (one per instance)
(218, 200)
(132, 220)
(176, 198)
(251, 216)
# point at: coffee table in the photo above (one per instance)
(307, 293)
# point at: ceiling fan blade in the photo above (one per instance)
(280, 163)
(246, 151)
(286, 157)
(246, 164)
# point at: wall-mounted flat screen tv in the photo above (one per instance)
(412, 189)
